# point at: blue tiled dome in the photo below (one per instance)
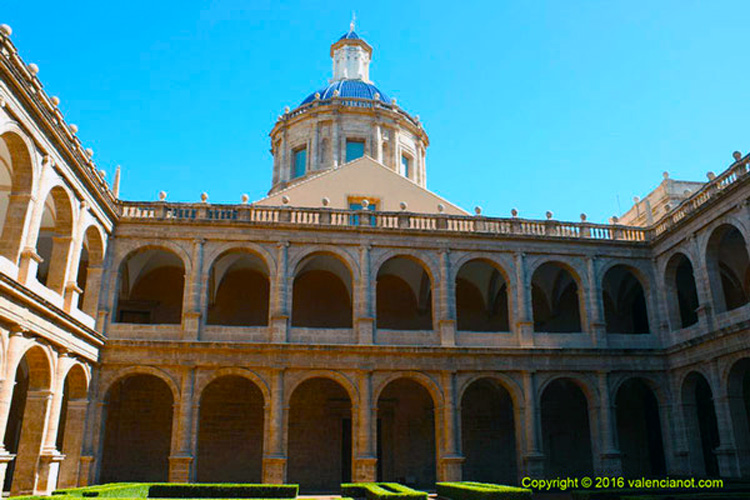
(351, 35)
(349, 88)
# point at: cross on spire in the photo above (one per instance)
(351, 24)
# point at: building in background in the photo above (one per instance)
(354, 325)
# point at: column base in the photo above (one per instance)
(447, 332)
(84, 473)
(5, 459)
(191, 323)
(727, 458)
(610, 463)
(179, 469)
(450, 468)
(365, 469)
(274, 469)
(365, 331)
(525, 333)
(534, 464)
(279, 328)
(47, 472)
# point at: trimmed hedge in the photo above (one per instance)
(174, 490)
(381, 491)
(469, 490)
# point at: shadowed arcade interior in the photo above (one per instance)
(238, 290)
(322, 293)
(555, 300)
(481, 298)
(566, 434)
(403, 295)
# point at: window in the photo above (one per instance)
(300, 162)
(354, 149)
(356, 204)
(405, 165)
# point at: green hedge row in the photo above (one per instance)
(469, 490)
(381, 491)
(174, 490)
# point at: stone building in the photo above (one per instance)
(354, 325)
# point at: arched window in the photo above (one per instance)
(554, 297)
(481, 298)
(54, 240)
(624, 302)
(683, 303)
(151, 288)
(403, 295)
(238, 290)
(322, 293)
(728, 268)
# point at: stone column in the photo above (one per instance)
(275, 443)
(16, 216)
(445, 310)
(313, 162)
(611, 459)
(73, 442)
(30, 445)
(726, 453)
(193, 289)
(335, 140)
(524, 324)
(451, 460)
(50, 458)
(279, 320)
(533, 457)
(58, 264)
(15, 343)
(366, 461)
(703, 287)
(28, 265)
(379, 143)
(365, 320)
(286, 173)
(93, 287)
(596, 324)
(181, 456)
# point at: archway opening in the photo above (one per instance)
(566, 432)
(27, 418)
(16, 179)
(151, 288)
(403, 295)
(320, 436)
(406, 434)
(138, 430)
(739, 406)
(322, 293)
(701, 425)
(230, 432)
(488, 437)
(238, 290)
(481, 298)
(728, 268)
(639, 430)
(92, 256)
(684, 294)
(71, 427)
(625, 308)
(554, 299)
(54, 239)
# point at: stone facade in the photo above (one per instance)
(371, 344)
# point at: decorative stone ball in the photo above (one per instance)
(317, 95)
(73, 128)
(245, 198)
(441, 207)
(583, 217)
(416, 117)
(33, 68)
(686, 193)
(549, 214)
(514, 212)
(55, 100)
(667, 207)
(636, 199)
(403, 205)
(204, 197)
(711, 176)
(737, 155)
(90, 152)
(478, 210)
(285, 199)
(377, 96)
(102, 173)
(325, 201)
(162, 195)
(336, 93)
(6, 30)
(665, 174)
(615, 219)
(393, 101)
(286, 109)
(365, 203)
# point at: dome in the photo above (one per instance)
(349, 88)
(350, 35)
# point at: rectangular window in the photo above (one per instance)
(354, 149)
(356, 204)
(405, 166)
(300, 162)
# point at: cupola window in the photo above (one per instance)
(300, 162)
(355, 148)
(405, 165)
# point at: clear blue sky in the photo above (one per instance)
(561, 105)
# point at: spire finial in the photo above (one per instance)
(351, 24)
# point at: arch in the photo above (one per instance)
(566, 428)
(91, 257)
(639, 429)
(556, 298)
(322, 292)
(230, 431)
(682, 292)
(624, 299)
(69, 440)
(151, 286)
(728, 267)
(482, 298)
(137, 430)
(738, 390)
(406, 424)
(432, 387)
(39, 366)
(238, 289)
(320, 435)
(701, 426)
(16, 186)
(294, 380)
(238, 372)
(54, 238)
(488, 438)
(404, 294)
(110, 379)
